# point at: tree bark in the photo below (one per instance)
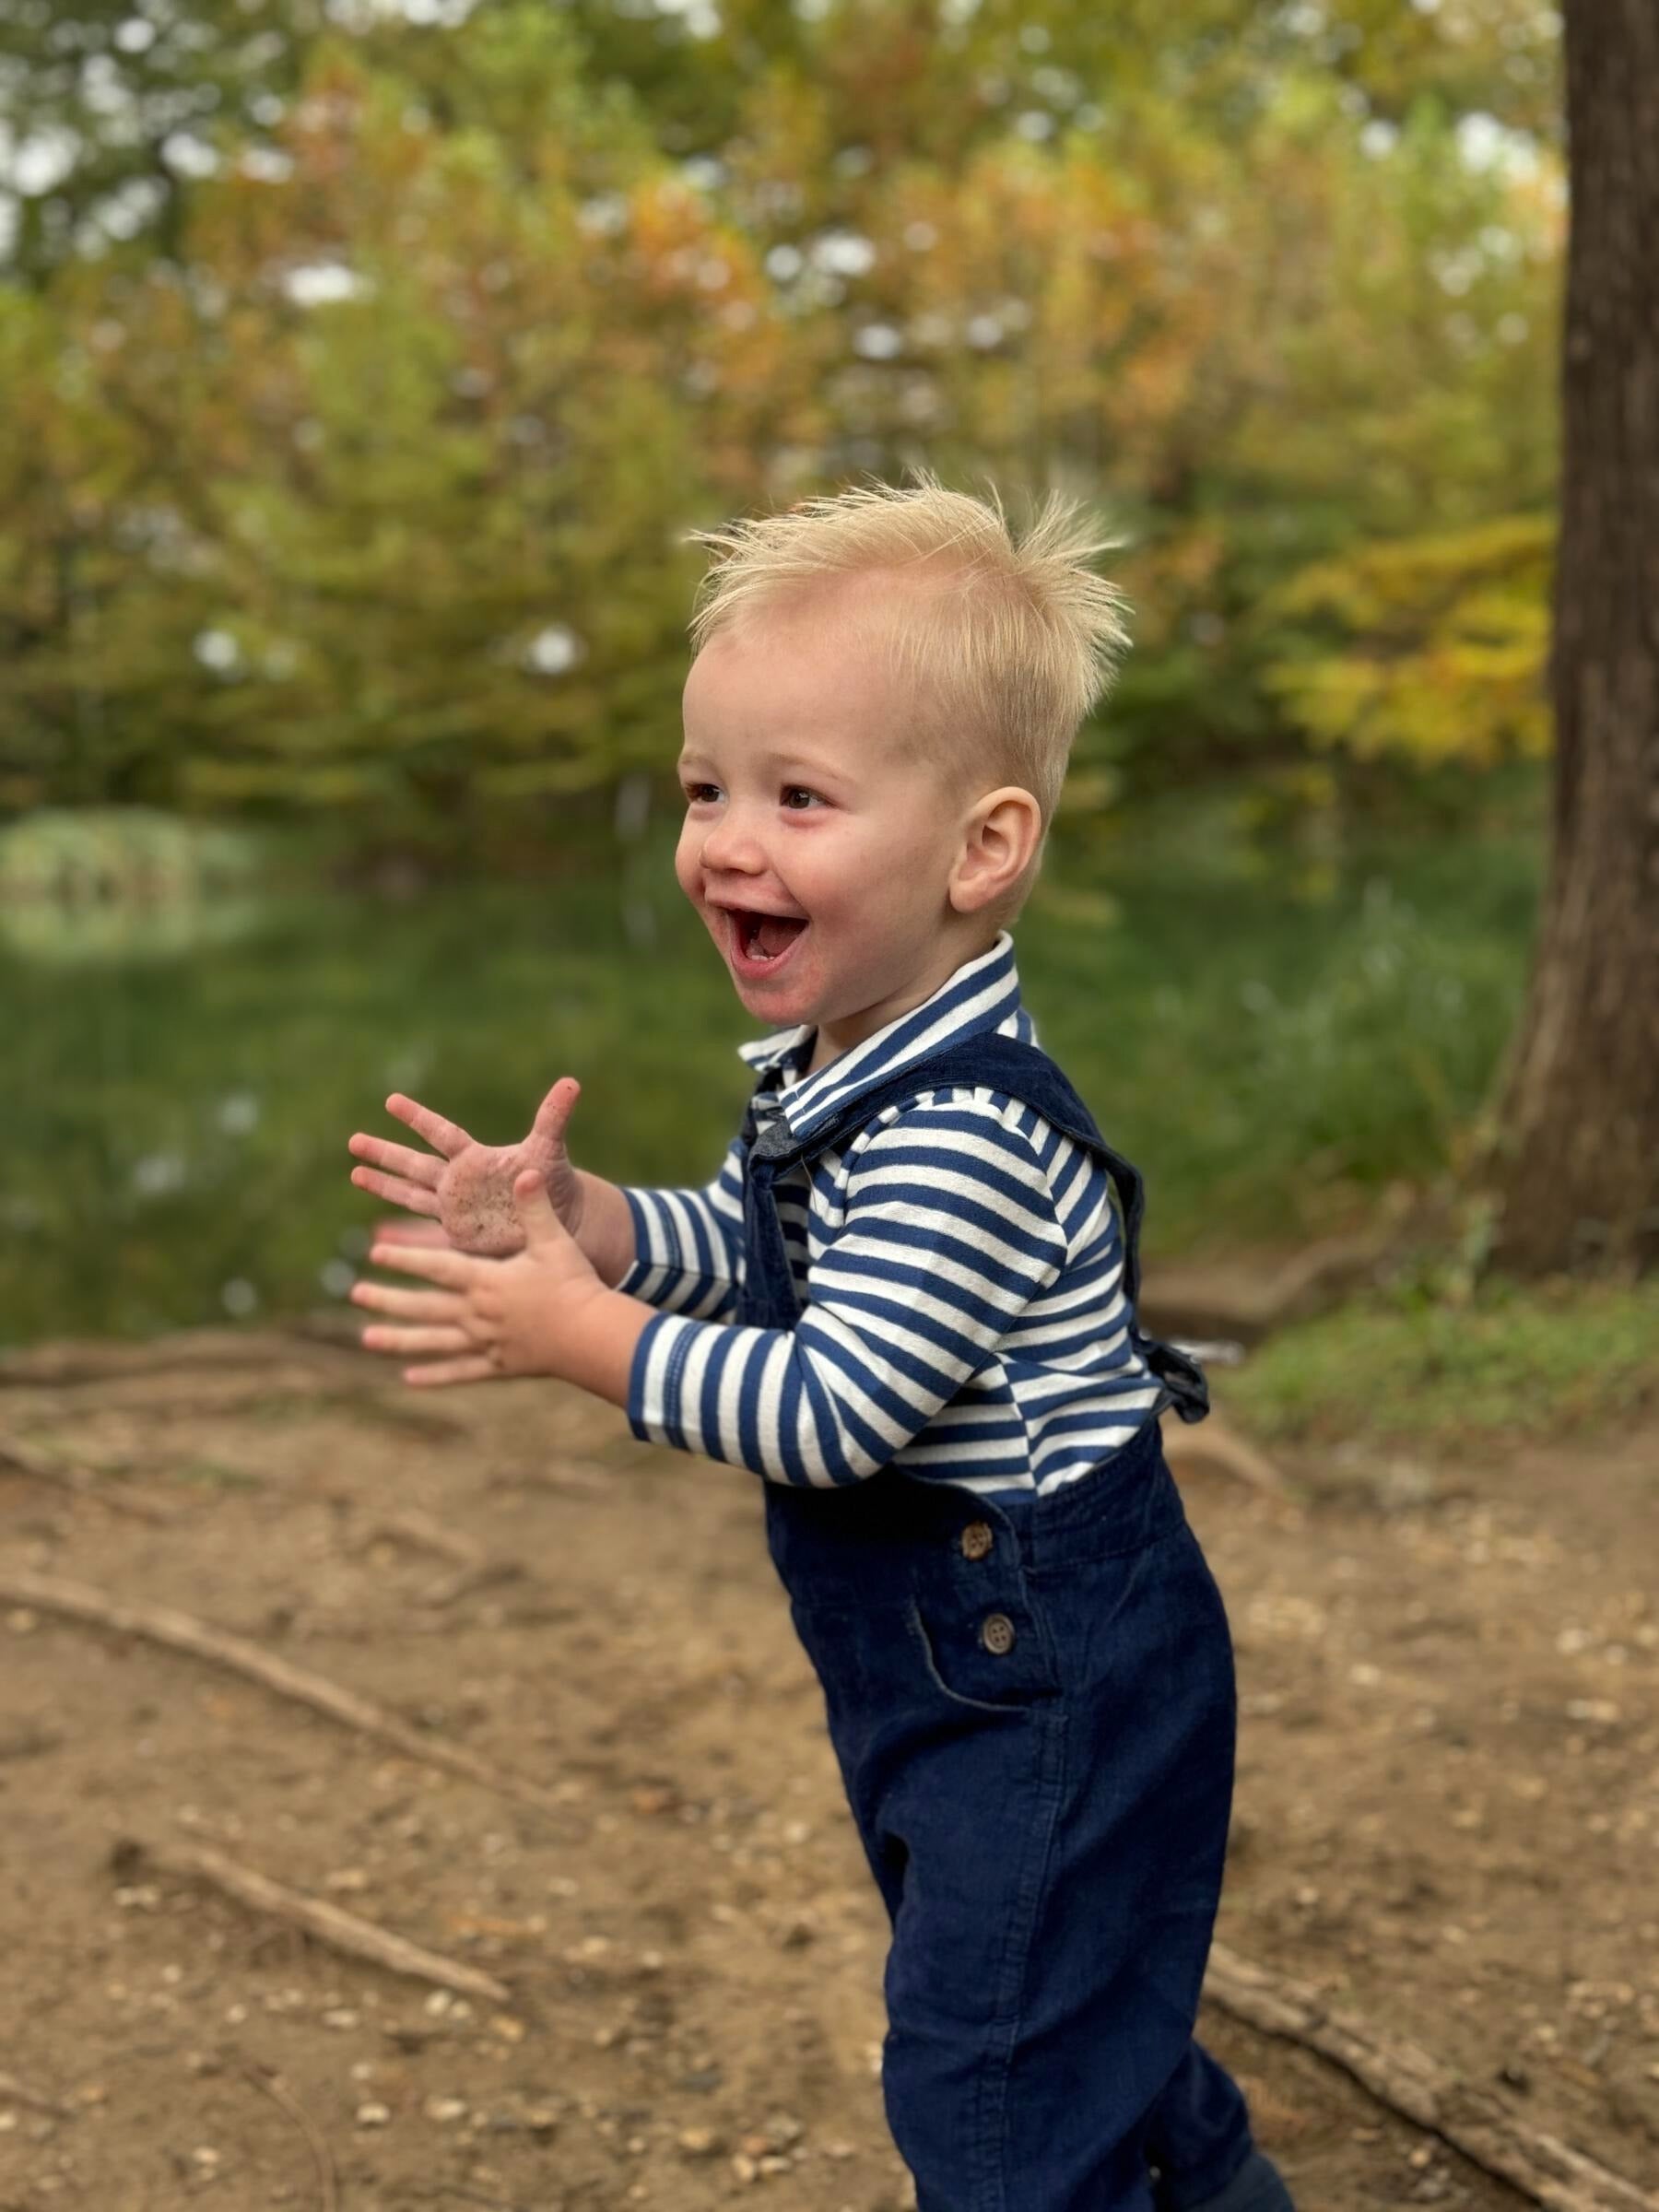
(1576, 1158)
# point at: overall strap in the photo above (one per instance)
(1003, 1063)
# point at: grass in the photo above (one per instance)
(1417, 1367)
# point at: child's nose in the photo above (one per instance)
(733, 842)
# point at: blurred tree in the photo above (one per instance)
(1577, 1161)
(365, 494)
(368, 505)
(109, 109)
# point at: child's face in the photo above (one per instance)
(803, 800)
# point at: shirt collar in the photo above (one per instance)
(980, 998)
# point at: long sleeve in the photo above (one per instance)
(688, 1244)
(948, 1234)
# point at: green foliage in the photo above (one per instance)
(1434, 1375)
(347, 471)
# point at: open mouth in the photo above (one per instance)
(762, 942)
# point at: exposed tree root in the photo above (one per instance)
(330, 1924)
(1404, 2076)
(14, 2091)
(183, 1632)
(81, 1482)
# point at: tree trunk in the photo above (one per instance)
(1576, 1162)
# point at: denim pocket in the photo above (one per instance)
(970, 1672)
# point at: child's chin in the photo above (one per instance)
(779, 999)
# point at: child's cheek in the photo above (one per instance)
(685, 871)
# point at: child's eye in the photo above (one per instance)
(697, 792)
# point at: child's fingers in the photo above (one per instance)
(409, 1305)
(387, 1337)
(449, 1137)
(400, 1160)
(395, 1191)
(399, 1231)
(553, 1114)
(534, 1209)
(455, 1270)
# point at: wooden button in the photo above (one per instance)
(997, 1633)
(976, 1540)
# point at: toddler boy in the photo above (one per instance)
(907, 1305)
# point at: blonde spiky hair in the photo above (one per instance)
(1004, 638)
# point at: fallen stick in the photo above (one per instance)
(183, 1632)
(327, 2179)
(412, 1526)
(14, 2091)
(81, 1482)
(330, 1924)
(476, 1571)
(1216, 1443)
(486, 1575)
(1406, 2079)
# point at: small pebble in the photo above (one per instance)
(1600, 1710)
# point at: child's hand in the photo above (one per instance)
(486, 1317)
(468, 1186)
(394, 1230)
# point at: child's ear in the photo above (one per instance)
(998, 839)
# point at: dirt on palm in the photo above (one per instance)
(1447, 1815)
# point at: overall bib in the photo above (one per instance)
(1031, 1700)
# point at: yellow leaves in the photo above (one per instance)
(1434, 648)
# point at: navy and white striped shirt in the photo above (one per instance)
(958, 1267)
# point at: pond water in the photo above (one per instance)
(1272, 1036)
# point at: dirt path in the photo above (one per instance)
(1448, 1812)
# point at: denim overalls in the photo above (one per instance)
(1031, 1703)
